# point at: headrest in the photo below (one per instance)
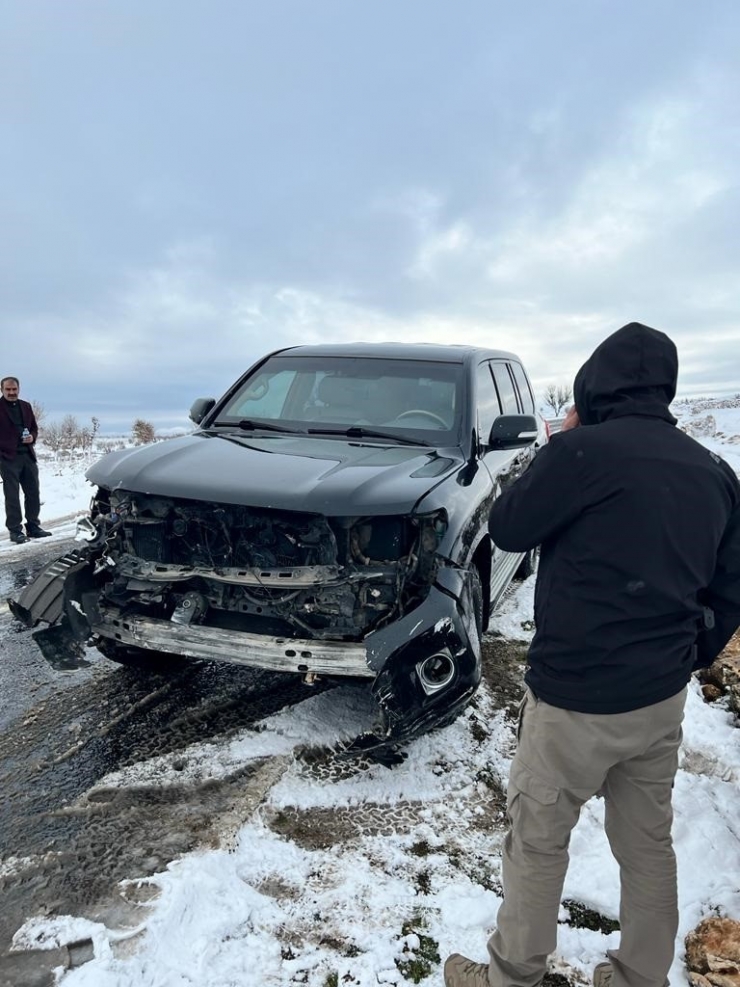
(334, 391)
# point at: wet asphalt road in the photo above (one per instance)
(62, 852)
(24, 675)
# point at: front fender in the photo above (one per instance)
(444, 623)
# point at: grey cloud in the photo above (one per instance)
(284, 136)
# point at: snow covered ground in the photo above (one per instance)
(413, 873)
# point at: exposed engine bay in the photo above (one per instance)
(354, 597)
(260, 571)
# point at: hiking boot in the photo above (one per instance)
(459, 971)
(36, 531)
(603, 975)
(18, 537)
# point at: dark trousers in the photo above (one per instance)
(20, 473)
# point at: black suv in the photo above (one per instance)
(328, 517)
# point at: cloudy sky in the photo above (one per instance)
(185, 185)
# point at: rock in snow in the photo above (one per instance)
(724, 676)
(713, 953)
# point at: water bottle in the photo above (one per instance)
(25, 434)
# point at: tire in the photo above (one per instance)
(138, 658)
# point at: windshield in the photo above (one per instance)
(330, 394)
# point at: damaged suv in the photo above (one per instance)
(328, 518)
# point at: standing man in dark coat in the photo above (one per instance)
(18, 469)
(638, 584)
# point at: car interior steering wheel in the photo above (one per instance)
(421, 411)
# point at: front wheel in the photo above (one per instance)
(138, 658)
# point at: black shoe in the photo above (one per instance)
(18, 537)
(37, 532)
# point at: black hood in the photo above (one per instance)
(633, 372)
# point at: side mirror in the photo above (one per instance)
(200, 408)
(513, 432)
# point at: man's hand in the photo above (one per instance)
(571, 419)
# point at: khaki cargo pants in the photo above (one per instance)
(563, 758)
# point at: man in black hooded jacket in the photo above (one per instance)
(638, 585)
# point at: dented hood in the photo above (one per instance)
(318, 475)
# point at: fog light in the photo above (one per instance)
(436, 672)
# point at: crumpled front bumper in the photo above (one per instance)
(279, 654)
(64, 596)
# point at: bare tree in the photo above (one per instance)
(89, 433)
(67, 436)
(142, 432)
(86, 438)
(70, 433)
(112, 445)
(52, 436)
(557, 397)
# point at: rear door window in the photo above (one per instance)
(525, 391)
(505, 388)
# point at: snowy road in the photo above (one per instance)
(321, 871)
(65, 841)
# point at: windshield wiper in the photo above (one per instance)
(249, 425)
(360, 432)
